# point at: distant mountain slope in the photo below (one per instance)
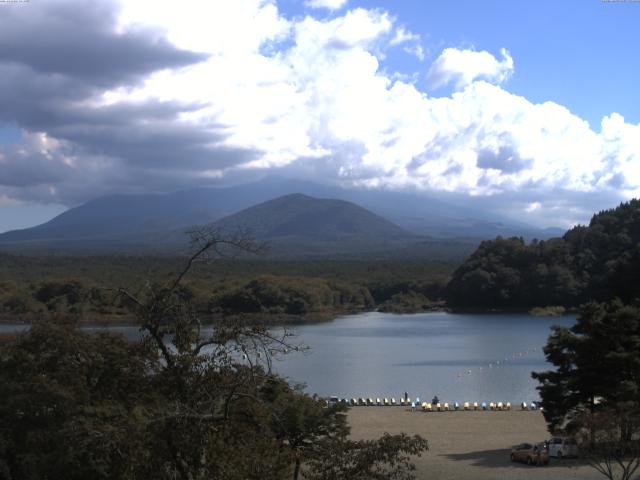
(135, 222)
(300, 226)
(298, 215)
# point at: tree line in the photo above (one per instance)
(84, 287)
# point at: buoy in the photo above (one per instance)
(484, 405)
(438, 407)
(456, 406)
(500, 406)
(378, 402)
(428, 407)
(393, 401)
(386, 402)
(508, 406)
(524, 405)
(466, 405)
(492, 406)
(446, 407)
(475, 405)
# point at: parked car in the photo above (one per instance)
(531, 454)
(563, 447)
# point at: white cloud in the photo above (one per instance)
(416, 50)
(329, 4)
(402, 36)
(534, 206)
(462, 67)
(411, 42)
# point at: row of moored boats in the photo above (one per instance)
(432, 406)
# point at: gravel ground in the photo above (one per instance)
(469, 445)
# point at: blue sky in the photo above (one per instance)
(582, 54)
(483, 100)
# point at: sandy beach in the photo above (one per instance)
(468, 445)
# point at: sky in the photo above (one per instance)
(526, 108)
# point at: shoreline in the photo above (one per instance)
(283, 320)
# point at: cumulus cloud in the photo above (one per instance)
(232, 92)
(329, 4)
(462, 67)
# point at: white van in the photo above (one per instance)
(560, 447)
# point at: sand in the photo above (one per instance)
(469, 445)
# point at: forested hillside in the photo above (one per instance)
(594, 262)
(85, 287)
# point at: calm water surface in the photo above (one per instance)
(449, 355)
(457, 357)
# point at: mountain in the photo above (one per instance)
(136, 222)
(298, 215)
(298, 225)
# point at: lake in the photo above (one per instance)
(469, 357)
(457, 357)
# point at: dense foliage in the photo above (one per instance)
(597, 363)
(594, 391)
(594, 262)
(85, 287)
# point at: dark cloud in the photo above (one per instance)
(79, 40)
(149, 135)
(56, 58)
(19, 168)
(506, 159)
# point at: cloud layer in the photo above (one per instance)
(152, 96)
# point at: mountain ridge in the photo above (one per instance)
(136, 222)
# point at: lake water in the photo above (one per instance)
(457, 357)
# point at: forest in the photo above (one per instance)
(275, 291)
(595, 262)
